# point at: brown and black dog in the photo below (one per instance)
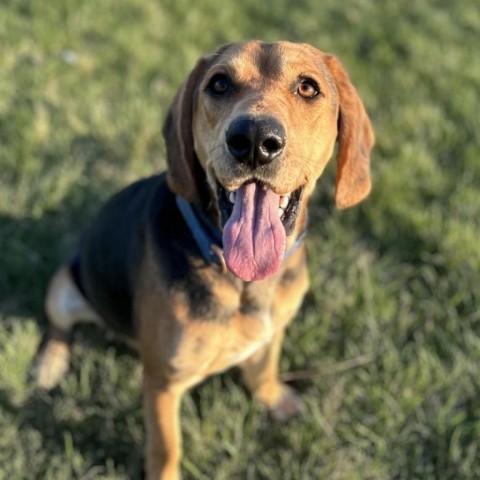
(203, 267)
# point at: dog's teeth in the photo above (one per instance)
(231, 197)
(284, 201)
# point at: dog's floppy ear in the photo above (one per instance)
(177, 132)
(183, 165)
(355, 141)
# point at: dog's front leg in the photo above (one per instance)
(260, 375)
(162, 424)
(260, 371)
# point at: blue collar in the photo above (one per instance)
(209, 239)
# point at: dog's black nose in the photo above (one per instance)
(255, 140)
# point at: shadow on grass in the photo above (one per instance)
(33, 247)
(97, 439)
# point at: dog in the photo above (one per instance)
(203, 267)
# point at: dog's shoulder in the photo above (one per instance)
(112, 248)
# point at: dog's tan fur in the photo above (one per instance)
(246, 326)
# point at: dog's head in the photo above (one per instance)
(252, 128)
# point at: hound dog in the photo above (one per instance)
(204, 266)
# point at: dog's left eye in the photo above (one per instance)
(219, 85)
(308, 88)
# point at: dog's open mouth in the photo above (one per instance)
(255, 223)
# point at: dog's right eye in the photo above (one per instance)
(219, 85)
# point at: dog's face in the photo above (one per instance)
(261, 121)
(266, 113)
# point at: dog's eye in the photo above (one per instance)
(308, 88)
(219, 85)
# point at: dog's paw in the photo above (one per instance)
(51, 364)
(287, 407)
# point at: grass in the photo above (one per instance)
(389, 337)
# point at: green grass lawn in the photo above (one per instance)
(387, 343)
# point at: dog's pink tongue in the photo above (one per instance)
(254, 238)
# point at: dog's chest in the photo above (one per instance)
(249, 334)
(240, 328)
(212, 348)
